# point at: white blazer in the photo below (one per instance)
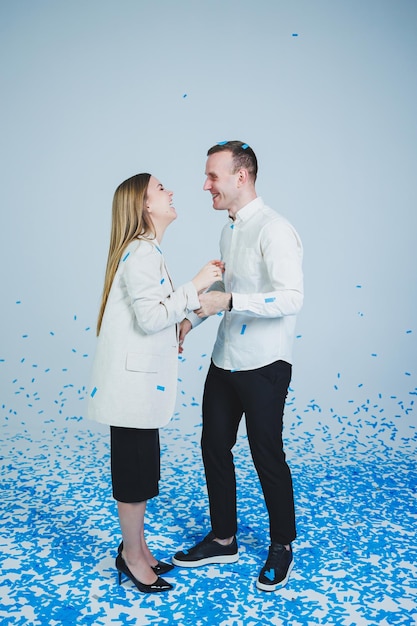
(135, 369)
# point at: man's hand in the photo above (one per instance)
(213, 302)
(185, 327)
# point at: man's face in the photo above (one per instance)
(220, 182)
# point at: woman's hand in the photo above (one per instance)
(185, 327)
(208, 275)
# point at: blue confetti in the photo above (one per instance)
(357, 494)
(160, 388)
(242, 332)
(269, 299)
(94, 391)
(125, 257)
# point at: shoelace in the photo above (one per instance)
(275, 556)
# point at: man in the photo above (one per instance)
(251, 362)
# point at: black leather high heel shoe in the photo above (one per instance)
(160, 568)
(159, 585)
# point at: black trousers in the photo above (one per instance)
(260, 394)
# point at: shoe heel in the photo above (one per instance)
(159, 585)
(119, 563)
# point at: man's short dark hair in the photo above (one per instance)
(243, 156)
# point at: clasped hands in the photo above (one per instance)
(211, 302)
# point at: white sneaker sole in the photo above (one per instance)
(226, 558)
(282, 583)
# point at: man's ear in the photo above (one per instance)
(243, 176)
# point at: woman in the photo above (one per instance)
(134, 375)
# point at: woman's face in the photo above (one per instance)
(159, 203)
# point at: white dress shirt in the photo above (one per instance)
(263, 271)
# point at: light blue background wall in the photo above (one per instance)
(324, 91)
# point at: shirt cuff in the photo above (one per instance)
(240, 301)
(194, 319)
(193, 302)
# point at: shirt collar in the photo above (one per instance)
(248, 210)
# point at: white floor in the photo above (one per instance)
(355, 555)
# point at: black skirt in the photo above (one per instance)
(135, 463)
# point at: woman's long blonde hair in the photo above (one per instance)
(129, 221)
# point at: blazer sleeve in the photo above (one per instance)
(156, 305)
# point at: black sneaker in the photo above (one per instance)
(277, 569)
(207, 551)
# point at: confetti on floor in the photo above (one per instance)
(355, 555)
(354, 473)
